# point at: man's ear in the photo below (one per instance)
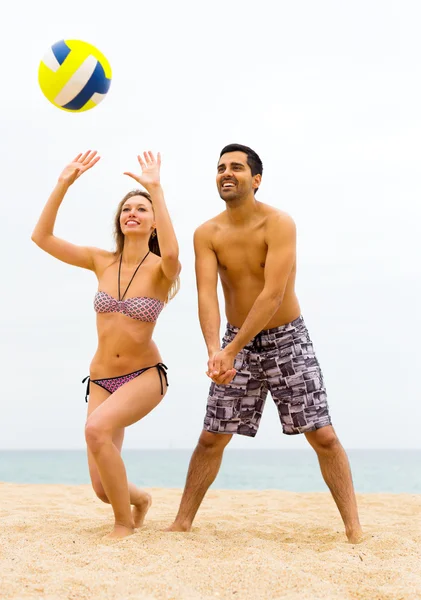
(257, 180)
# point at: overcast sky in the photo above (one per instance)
(328, 94)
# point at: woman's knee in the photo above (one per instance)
(213, 441)
(96, 435)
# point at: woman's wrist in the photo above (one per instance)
(154, 189)
(62, 184)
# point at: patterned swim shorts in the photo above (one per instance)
(281, 361)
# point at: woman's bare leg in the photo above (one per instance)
(140, 499)
(126, 406)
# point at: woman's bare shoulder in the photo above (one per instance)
(102, 259)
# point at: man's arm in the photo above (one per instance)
(281, 242)
(206, 265)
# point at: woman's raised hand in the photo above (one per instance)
(80, 164)
(151, 167)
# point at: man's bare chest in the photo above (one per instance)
(242, 253)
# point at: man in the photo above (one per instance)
(252, 246)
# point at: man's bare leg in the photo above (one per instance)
(337, 475)
(203, 469)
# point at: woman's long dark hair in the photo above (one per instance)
(153, 240)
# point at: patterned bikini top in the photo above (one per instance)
(141, 308)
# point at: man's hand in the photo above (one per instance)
(221, 367)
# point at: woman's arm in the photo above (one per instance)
(43, 234)
(168, 244)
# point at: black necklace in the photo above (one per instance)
(120, 298)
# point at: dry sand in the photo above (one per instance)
(245, 545)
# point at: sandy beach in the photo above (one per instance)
(245, 545)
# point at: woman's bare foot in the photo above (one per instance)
(140, 509)
(119, 532)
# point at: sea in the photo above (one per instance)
(374, 471)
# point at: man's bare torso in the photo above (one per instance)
(241, 252)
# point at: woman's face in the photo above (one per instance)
(137, 216)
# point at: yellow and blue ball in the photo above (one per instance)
(74, 75)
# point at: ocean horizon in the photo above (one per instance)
(374, 471)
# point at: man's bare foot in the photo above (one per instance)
(119, 532)
(139, 510)
(182, 527)
(355, 536)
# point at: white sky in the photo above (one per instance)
(329, 95)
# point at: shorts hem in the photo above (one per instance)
(252, 435)
(308, 429)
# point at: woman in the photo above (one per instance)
(127, 376)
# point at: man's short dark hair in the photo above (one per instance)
(253, 159)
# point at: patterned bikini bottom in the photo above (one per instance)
(111, 384)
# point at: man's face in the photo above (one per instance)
(234, 179)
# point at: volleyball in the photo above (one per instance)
(74, 75)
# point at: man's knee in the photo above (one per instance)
(323, 439)
(213, 441)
